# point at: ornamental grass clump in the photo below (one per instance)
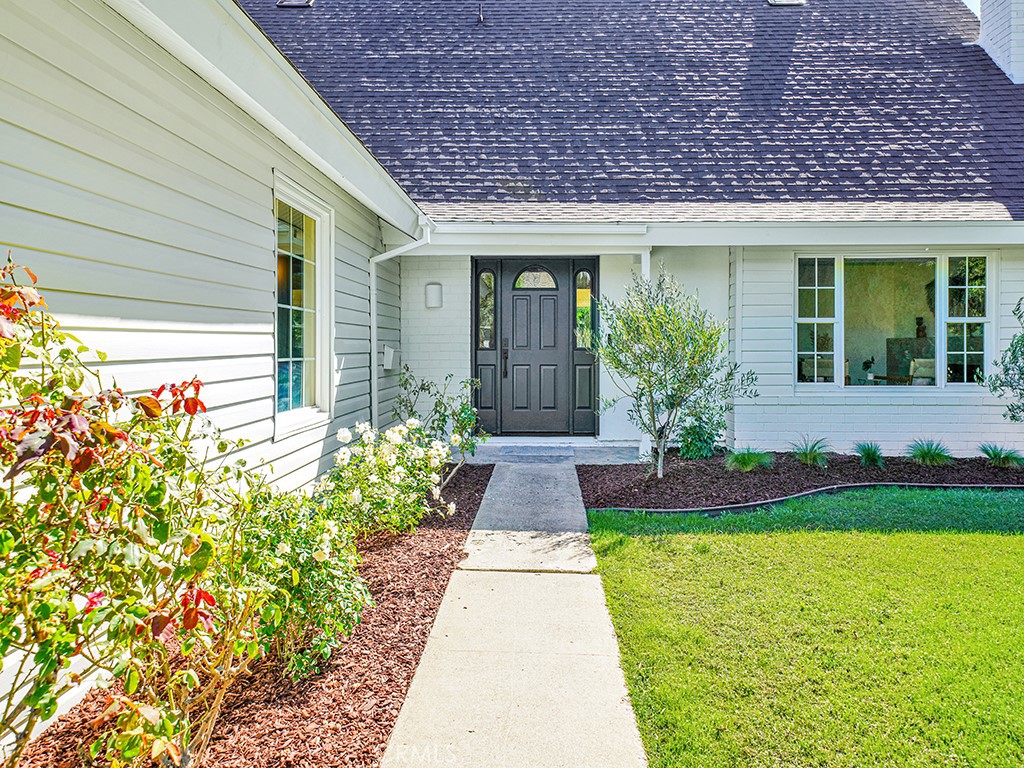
(667, 355)
(747, 460)
(812, 453)
(1003, 458)
(870, 454)
(929, 453)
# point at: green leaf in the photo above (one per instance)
(131, 683)
(6, 542)
(201, 558)
(162, 531)
(10, 359)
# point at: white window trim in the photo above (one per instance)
(288, 423)
(942, 387)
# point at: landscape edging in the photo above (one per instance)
(751, 506)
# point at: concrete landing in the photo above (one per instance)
(557, 450)
(521, 669)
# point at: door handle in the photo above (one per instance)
(504, 358)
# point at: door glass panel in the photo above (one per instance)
(536, 278)
(584, 308)
(485, 310)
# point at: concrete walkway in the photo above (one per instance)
(521, 669)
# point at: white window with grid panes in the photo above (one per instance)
(303, 317)
(892, 320)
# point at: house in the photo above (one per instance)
(843, 182)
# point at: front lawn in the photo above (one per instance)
(871, 628)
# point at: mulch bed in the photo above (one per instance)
(344, 715)
(707, 483)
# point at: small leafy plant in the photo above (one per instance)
(698, 439)
(870, 454)
(747, 460)
(448, 414)
(812, 453)
(1004, 458)
(929, 453)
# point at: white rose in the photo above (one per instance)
(394, 436)
(435, 478)
(435, 491)
(434, 461)
(356, 497)
(344, 436)
(283, 548)
(369, 436)
(456, 439)
(413, 423)
(451, 508)
(362, 426)
(320, 555)
(343, 457)
(417, 453)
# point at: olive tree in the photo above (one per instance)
(667, 356)
(1008, 380)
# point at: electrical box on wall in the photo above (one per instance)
(392, 358)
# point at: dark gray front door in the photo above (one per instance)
(534, 378)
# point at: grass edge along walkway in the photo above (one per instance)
(866, 628)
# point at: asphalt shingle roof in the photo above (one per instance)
(837, 105)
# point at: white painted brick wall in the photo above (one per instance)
(436, 342)
(1002, 35)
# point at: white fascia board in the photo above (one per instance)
(218, 41)
(532, 239)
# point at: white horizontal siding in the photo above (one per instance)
(143, 198)
(893, 417)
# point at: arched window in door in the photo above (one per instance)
(536, 278)
(584, 308)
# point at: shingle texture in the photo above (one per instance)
(854, 102)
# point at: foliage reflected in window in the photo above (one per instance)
(584, 308)
(296, 308)
(485, 310)
(535, 278)
(815, 328)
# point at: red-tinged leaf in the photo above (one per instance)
(31, 275)
(7, 328)
(150, 406)
(159, 390)
(193, 405)
(202, 596)
(163, 627)
(190, 618)
(83, 461)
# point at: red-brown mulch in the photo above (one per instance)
(344, 715)
(707, 483)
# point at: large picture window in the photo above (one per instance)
(891, 321)
(296, 308)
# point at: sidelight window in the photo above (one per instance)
(296, 308)
(584, 308)
(485, 310)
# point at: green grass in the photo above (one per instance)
(870, 628)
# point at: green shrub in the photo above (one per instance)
(747, 460)
(448, 415)
(813, 453)
(929, 453)
(1004, 458)
(870, 454)
(697, 440)
(383, 482)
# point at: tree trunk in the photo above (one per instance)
(661, 459)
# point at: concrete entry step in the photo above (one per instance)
(553, 450)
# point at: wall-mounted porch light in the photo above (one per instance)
(434, 296)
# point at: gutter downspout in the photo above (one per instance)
(426, 228)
